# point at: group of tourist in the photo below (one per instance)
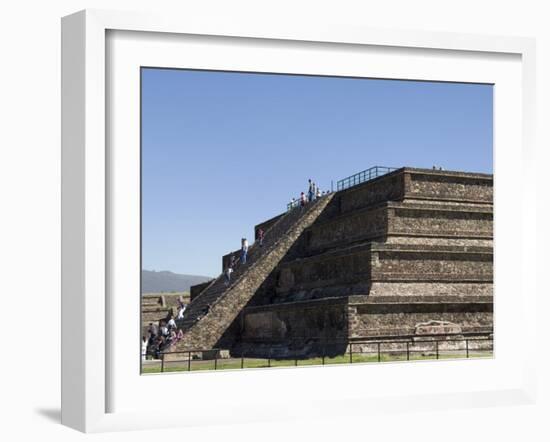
(313, 193)
(163, 335)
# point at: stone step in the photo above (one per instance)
(149, 302)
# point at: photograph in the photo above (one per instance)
(241, 220)
(292, 220)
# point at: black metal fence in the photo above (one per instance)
(363, 176)
(419, 348)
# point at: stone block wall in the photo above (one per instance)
(346, 267)
(431, 265)
(444, 221)
(390, 187)
(354, 270)
(430, 288)
(294, 321)
(310, 328)
(419, 185)
(294, 329)
(455, 186)
(410, 225)
(391, 319)
(361, 225)
(381, 222)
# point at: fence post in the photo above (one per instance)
(351, 353)
(467, 350)
(378, 351)
(407, 350)
(162, 363)
(242, 359)
(216, 360)
(437, 349)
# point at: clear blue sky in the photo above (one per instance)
(222, 152)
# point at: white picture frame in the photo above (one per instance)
(87, 353)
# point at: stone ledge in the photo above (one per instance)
(407, 333)
(425, 299)
(421, 248)
(482, 208)
(455, 234)
(427, 277)
(353, 249)
(468, 206)
(380, 236)
(297, 304)
(447, 173)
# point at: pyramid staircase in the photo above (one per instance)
(217, 306)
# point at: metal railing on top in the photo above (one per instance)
(352, 180)
(364, 176)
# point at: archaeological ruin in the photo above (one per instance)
(398, 255)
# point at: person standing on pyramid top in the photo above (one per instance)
(244, 250)
(310, 191)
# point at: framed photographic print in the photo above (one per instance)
(296, 222)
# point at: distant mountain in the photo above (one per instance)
(156, 282)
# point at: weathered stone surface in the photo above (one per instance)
(196, 290)
(426, 289)
(385, 188)
(291, 321)
(443, 221)
(370, 321)
(437, 328)
(360, 225)
(465, 243)
(453, 186)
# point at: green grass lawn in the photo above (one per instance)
(237, 363)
